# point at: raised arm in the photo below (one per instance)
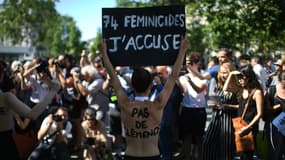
(165, 93)
(232, 84)
(82, 62)
(122, 97)
(22, 109)
(203, 76)
(30, 70)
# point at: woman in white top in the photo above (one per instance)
(10, 104)
(193, 115)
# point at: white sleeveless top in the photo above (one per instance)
(191, 98)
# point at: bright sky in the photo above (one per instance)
(86, 13)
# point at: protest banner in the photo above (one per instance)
(143, 36)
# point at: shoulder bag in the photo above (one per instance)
(245, 143)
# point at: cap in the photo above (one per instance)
(278, 62)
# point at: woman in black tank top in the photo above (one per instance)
(250, 86)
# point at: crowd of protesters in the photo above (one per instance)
(84, 115)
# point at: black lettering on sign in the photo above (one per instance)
(143, 36)
(140, 112)
(134, 111)
(131, 132)
(141, 124)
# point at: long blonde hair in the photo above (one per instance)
(229, 68)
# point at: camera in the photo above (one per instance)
(47, 140)
(56, 62)
(43, 68)
(56, 118)
(79, 74)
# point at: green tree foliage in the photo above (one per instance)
(145, 3)
(63, 37)
(94, 48)
(38, 23)
(244, 23)
(26, 19)
(132, 3)
(236, 24)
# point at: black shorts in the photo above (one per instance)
(141, 158)
(8, 146)
(193, 121)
